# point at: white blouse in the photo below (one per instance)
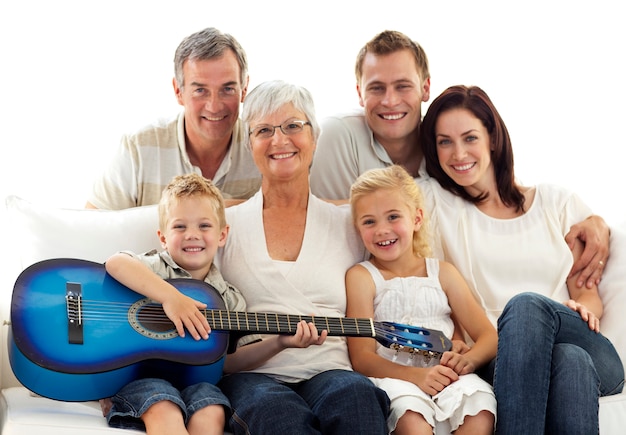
(500, 258)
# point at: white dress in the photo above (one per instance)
(420, 301)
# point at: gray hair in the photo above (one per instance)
(208, 44)
(270, 96)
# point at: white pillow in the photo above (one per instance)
(46, 232)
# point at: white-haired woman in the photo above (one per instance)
(288, 253)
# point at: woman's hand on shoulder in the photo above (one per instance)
(594, 233)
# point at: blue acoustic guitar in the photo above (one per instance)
(77, 334)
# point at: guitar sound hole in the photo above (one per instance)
(153, 318)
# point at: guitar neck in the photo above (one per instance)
(271, 323)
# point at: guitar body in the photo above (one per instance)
(107, 352)
(73, 387)
(77, 334)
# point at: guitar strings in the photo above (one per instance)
(153, 313)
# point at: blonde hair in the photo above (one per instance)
(395, 178)
(187, 186)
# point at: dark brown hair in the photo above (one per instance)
(475, 100)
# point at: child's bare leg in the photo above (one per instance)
(413, 423)
(209, 420)
(481, 423)
(164, 418)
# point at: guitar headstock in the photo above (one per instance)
(409, 338)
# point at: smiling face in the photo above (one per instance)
(211, 95)
(464, 150)
(391, 91)
(282, 156)
(386, 224)
(193, 234)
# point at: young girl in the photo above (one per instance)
(400, 283)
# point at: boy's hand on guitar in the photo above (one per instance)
(185, 313)
(305, 336)
(457, 362)
(434, 379)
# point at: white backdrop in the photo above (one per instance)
(77, 74)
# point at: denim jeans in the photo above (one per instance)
(134, 399)
(332, 402)
(551, 369)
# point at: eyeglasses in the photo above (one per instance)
(265, 131)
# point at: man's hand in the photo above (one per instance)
(594, 233)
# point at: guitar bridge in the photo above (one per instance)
(73, 304)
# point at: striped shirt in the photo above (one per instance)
(147, 160)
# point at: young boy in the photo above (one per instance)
(192, 226)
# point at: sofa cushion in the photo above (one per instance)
(612, 290)
(21, 413)
(47, 232)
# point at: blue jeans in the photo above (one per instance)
(134, 399)
(332, 402)
(551, 369)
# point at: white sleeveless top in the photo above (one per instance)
(415, 301)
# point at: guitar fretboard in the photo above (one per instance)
(272, 323)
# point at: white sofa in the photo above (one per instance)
(37, 233)
(40, 233)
